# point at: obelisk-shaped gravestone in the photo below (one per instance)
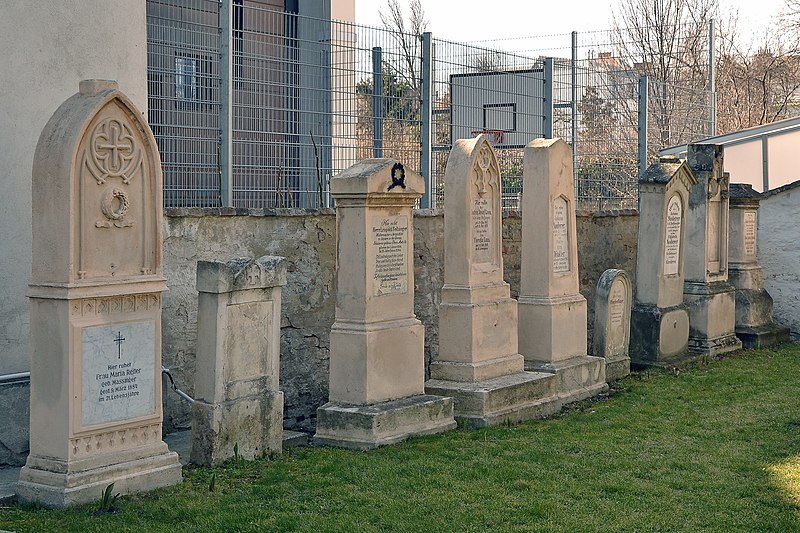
(708, 294)
(754, 325)
(377, 364)
(95, 297)
(659, 319)
(478, 363)
(612, 322)
(552, 311)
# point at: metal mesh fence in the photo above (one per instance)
(310, 97)
(183, 97)
(480, 90)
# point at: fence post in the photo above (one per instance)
(712, 81)
(548, 98)
(574, 133)
(642, 129)
(426, 123)
(377, 102)
(226, 103)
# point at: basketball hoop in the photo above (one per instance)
(496, 135)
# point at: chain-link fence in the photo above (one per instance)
(254, 107)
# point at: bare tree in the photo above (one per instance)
(407, 34)
(668, 41)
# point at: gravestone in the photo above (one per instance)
(754, 325)
(478, 363)
(238, 403)
(552, 311)
(377, 365)
(706, 291)
(612, 322)
(95, 296)
(659, 318)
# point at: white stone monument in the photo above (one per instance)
(237, 401)
(552, 311)
(478, 363)
(706, 291)
(377, 344)
(612, 322)
(754, 324)
(659, 319)
(95, 297)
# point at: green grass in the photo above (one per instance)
(714, 448)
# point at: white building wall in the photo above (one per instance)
(48, 47)
(779, 253)
(743, 161)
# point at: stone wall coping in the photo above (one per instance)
(197, 212)
(779, 190)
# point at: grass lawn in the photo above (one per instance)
(714, 448)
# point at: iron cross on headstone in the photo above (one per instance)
(119, 339)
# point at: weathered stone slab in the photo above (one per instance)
(362, 427)
(511, 398)
(238, 403)
(612, 322)
(95, 296)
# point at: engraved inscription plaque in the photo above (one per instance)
(482, 230)
(560, 236)
(672, 245)
(118, 372)
(390, 247)
(750, 233)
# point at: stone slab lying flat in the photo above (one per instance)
(513, 398)
(762, 336)
(362, 427)
(577, 378)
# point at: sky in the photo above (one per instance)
(479, 20)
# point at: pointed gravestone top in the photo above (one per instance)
(97, 193)
(473, 215)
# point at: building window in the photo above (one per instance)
(187, 79)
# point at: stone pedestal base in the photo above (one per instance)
(512, 398)
(362, 427)
(577, 378)
(61, 484)
(618, 368)
(371, 362)
(547, 327)
(712, 317)
(659, 336)
(254, 424)
(762, 336)
(704, 346)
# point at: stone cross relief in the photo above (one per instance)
(254, 275)
(113, 153)
(484, 171)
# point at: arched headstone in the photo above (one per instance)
(478, 363)
(95, 296)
